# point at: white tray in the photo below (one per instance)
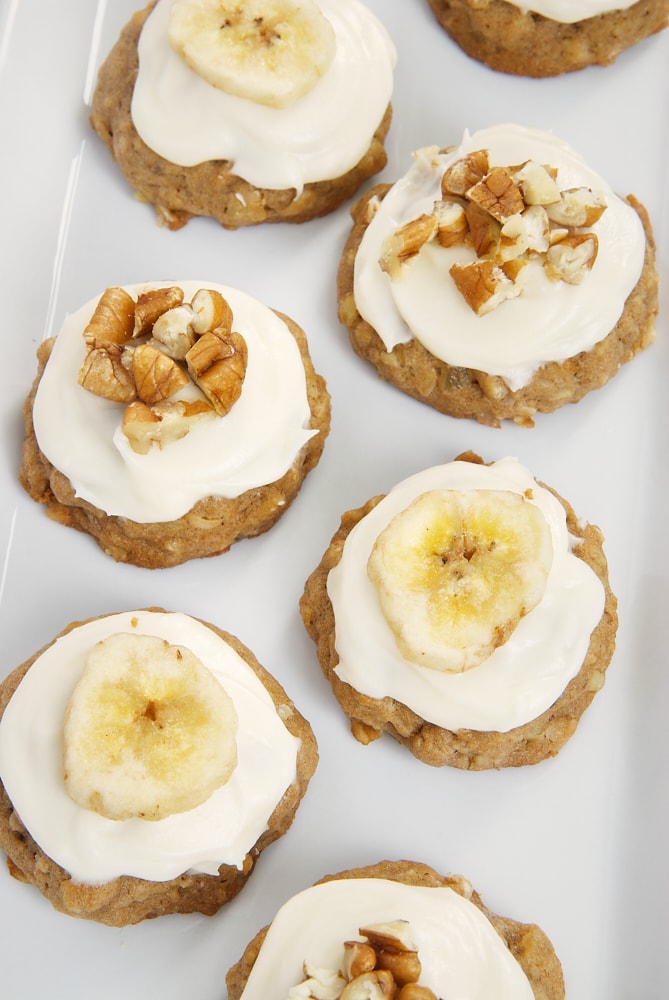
(576, 844)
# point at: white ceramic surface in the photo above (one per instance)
(576, 844)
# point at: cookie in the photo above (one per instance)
(445, 272)
(548, 37)
(120, 872)
(157, 480)
(192, 149)
(406, 907)
(520, 694)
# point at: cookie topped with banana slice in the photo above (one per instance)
(499, 278)
(266, 111)
(395, 929)
(271, 53)
(468, 613)
(146, 760)
(170, 420)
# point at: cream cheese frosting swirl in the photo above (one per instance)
(569, 11)
(549, 320)
(323, 135)
(253, 445)
(460, 952)
(522, 677)
(96, 850)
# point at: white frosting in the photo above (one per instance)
(324, 134)
(548, 321)
(523, 677)
(253, 445)
(94, 849)
(568, 11)
(461, 954)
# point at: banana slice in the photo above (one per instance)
(148, 730)
(457, 570)
(271, 52)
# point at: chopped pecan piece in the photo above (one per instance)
(157, 376)
(163, 423)
(358, 958)
(513, 267)
(152, 304)
(318, 984)
(406, 242)
(483, 285)
(217, 365)
(140, 426)
(498, 194)
(465, 173)
(104, 374)
(452, 225)
(577, 207)
(211, 312)
(393, 935)
(376, 985)
(174, 331)
(483, 229)
(570, 259)
(404, 965)
(113, 319)
(537, 184)
(525, 233)
(412, 991)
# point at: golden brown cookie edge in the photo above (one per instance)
(127, 899)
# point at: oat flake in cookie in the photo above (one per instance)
(170, 420)
(541, 38)
(498, 279)
(197, 130)
(83, 828)
(365, 932)
(467, 613)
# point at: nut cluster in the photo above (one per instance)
(143, 353)
(385, 966)
(508, 216)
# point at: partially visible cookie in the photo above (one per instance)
(164, 457)
(526, 672)
(192, 149)
(498, 279)
(402, 904)
(122, 871)
(544, 38)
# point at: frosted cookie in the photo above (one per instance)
(198, 130)
(366, 932)
(541, 38)
(169, 421)
(207, 765)
(467, 613)
(500, 278)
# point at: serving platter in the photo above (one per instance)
(576, 844)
